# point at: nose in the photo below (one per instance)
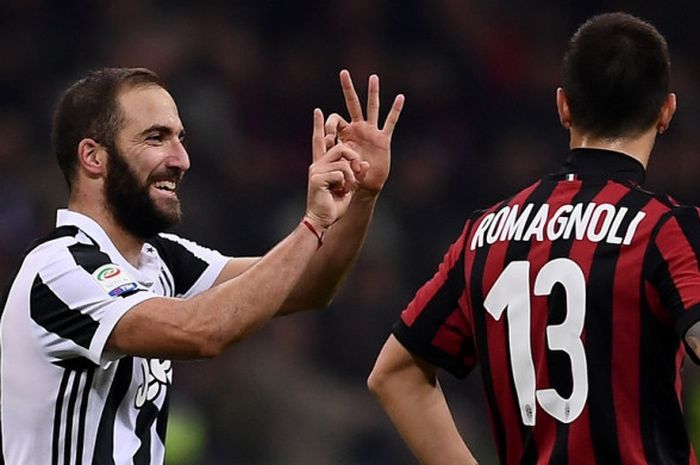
(179, 157)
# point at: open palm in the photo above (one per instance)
(364, 135)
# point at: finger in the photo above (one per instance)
(352, 102)
(393, 115)
(340, 172)
(335, 124)
(340, 165)
(340, 151)
(373, 100)
(329, 141)
(318, 146)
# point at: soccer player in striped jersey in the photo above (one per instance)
(578, 297)
(100, 305)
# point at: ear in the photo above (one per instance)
(668, 108)
(563, 108)
(92, 158)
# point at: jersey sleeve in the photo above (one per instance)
(433, 325)
(675, 270)
(194, 267)
(76, 299)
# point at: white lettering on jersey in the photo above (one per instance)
(594, 222)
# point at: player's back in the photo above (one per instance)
(573, 290)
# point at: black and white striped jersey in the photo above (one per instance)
(65, 400)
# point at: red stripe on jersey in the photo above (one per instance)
(627, 336)
(545, 432)
(497, 347)
(681, 260)
(499, 361)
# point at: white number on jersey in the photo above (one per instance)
(511, 292)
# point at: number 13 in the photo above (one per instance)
(511, 292)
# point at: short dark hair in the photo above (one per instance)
(89, 108)
(615, 74)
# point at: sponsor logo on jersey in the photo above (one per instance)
(114, 280)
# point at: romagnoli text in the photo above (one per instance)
(591, 221)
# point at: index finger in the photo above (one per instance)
(318, 145)
(352, 102)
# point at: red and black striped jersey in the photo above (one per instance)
(572, 297)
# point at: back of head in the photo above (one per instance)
(89, 109)
(616, 75)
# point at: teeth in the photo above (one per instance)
(165, 185)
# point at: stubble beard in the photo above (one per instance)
(131, 204)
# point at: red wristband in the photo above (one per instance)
(315, 232)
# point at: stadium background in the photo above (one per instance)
(479, 123)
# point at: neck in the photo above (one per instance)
(638, 147)
(126, 243)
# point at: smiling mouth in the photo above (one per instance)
(166, 186)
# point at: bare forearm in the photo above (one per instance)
(331, 264)
(204, 325)
(426, 425)
(408, 391)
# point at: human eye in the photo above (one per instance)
(154, 137)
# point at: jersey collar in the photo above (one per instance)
(585, 162)
(148, 261)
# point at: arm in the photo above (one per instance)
(692, 338)
(343, 242)
(206, 324)
(328, 268)
(409, 392)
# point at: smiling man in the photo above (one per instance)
(100, 305)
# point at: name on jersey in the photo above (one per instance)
(591, 221)
(114, 280)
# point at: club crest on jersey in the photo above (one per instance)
(157, 375)
(114, 280)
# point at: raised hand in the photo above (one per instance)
(334, 176)
(364, 135)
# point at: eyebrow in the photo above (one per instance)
(165, 130)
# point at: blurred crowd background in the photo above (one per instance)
(479, 123)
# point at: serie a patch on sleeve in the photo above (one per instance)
(114, 280)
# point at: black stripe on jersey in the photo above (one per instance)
(147, 415)
(83, 414)
(655, 397)
(63, 231)
(104, 443)
(664, 436)
(89, 257)
(55, 444)
(184, 265)
(599, 330)
(165, 284)
(70, 412)
(558, 363)
(51, 313)
(687, 219)
(162, 421)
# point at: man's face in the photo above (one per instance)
(147, 163)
